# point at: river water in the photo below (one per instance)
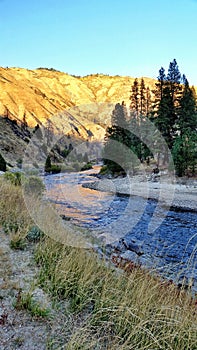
(171, 249)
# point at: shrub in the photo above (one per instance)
(14, 178)
(86, 166)
(2, 163)
(104, 170)
(34, 234)
(25, 301)
(17, 242)
(55, 169)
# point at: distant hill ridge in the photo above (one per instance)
(42, 92)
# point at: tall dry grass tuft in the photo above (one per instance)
(14, 215)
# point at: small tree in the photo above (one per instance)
(185, 154)
(2, 163)
(134, 105)
(48, 164)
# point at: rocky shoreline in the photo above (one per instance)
(177, 196)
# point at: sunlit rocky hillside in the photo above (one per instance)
(42, 94)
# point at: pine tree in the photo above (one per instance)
(119, 115)
(159, 86)
(167, 98)
(174, 80)
(117, 132)
(148, 101)
(134, 105)
(142, 98)
(187, 121)
(185, 154)
(48, 165)
(184, 148)
(139, 110)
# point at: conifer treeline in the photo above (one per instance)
(172, 107)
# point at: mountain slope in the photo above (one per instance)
(41, 93)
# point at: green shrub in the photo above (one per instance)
(14, 178)
(25, 301)
(51, 168)
(55, 169)
(34, 234)
(86, 166)
(104, 170)
(18, 243)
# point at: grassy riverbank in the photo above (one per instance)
(113, 309)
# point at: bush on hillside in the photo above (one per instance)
(14, 178)
(86, 166)
(2, 163)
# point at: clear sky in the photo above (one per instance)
(81, 37)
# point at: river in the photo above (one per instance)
(171, 249)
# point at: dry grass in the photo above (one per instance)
(134, 311)
(116, 310)
(13, 212)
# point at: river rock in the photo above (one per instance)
(66, 218)
(129, 255)
(132, 246)
(118, 245)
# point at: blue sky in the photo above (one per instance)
(81, 37)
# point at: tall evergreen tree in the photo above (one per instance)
(47, 167)
(185, 144)
(134, 105)
(174, 81)
(184, 153)
(142, 97)
(187, 121)
(159, 86)
(164, 120)
(119, 115)
(118, 132)
(148, 101)
(167, 98)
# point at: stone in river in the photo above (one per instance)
(131, 246)
(129, 255)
